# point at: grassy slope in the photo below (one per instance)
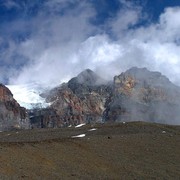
(115, 151)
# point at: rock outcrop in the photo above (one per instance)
(12, 115)
(141, 95)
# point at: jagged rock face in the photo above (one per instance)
(143, 96)
(44, 118)
(136, 95)
(86, 82)
(81, 100)
(11, 114)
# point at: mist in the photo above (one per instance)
(61, 46)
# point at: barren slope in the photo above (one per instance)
(133, 150)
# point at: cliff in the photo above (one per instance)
(12, 115)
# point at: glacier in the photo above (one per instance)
(28, 95)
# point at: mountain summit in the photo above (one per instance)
(142, 95)
(87, 77)
(85, 82)
(135, 95)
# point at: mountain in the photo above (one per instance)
(142, 95)
(81, 100)
(87, 77)
(135, 95)
(12, 115)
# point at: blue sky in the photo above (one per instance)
(49, 41)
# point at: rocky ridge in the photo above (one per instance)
(12, 115)
(142, 95)
(81, 100)
(135, 95)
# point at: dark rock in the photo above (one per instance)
(44, 118)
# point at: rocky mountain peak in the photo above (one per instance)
(141, 79)
(140, 94)
(135, 95)
(85, 82)
(87, 77)
(143, 75)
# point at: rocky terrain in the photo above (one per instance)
(135, 95)
(132, 150)
(81, 100)
(141, 95)
(12, 115)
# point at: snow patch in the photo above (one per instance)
(80, 125)
(93, 129)
(79, 136)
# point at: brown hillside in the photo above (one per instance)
(133, 150)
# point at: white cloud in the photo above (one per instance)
(62, 46)
(51, 51)
(99, 50)
(170, 23)
(127, 17)
(9, 4)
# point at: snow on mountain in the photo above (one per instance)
(79, 136)
(28, 95)
(80, 125)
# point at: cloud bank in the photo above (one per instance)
(63, 41)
